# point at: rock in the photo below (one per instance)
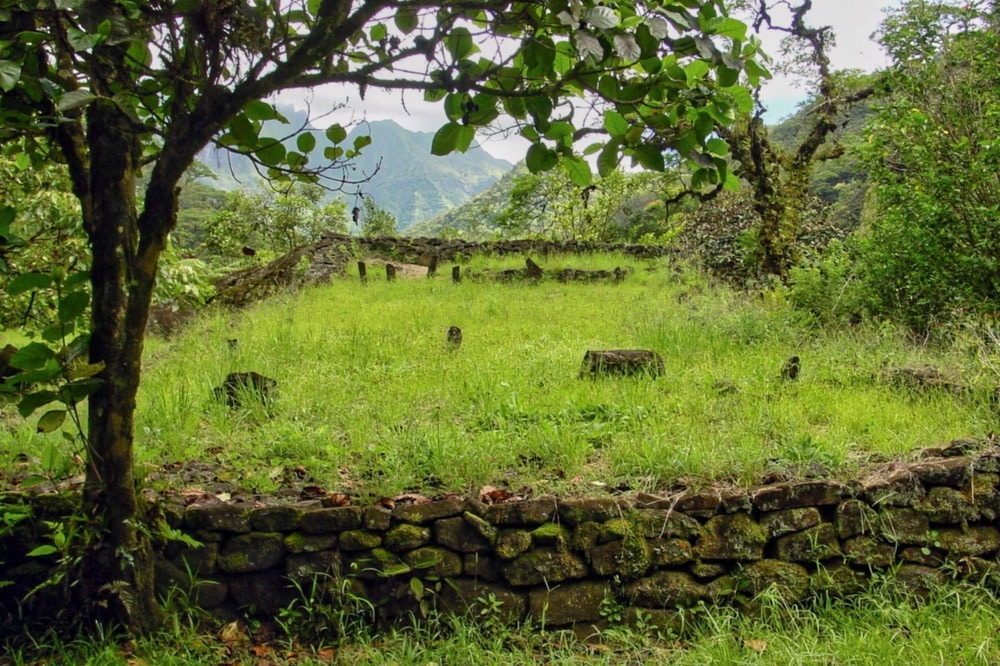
(332, 520)
(868, 551)
(797, 494)
(276, 519)
(297, 542)
(407, 537)
(779, 523)
(622, 362)
(902, 525)
(484, 601)
(731, 537)
(359, 540)
(812, 545)
(461, 535)
(241, 386)
(425, 513)
(247, 553)
(440, 561)
(512, 543)
(970, 541)
(218, 517)
(543, 566)
(666, 589)
(570, 603)
(790, 581)
(854, 517)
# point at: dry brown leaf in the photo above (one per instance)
(411, 498)
(385, 503)
(336, 499)
(234, 632)
(755, 645)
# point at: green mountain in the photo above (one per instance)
(397, 170)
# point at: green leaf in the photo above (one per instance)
(540, 158)
(75, 99)
(727, 27)
(85, 370)
(607, 161)
(336, 133)
(578, 171)
(258, 110)
(718, 147)
(28, 282)
(10, 74)
(271, 154)
(305, 142)
(73, 305)
(378, 32)
(446, 139)
(76, 391)
(459, 43)
(361, 142)
(32, 356)
(33, 401)
(650, 158)
(51, 420)
(406, 19)
(42, 551)
(417, 587)
(615, 123)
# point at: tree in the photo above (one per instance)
(780, 179)
(377, 221)
(933, 243)
(111, 88)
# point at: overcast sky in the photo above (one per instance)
(853, 21)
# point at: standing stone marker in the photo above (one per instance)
(621, 362)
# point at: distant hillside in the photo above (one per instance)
(406, 179)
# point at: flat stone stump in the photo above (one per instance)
(621, 363)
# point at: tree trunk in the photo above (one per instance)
(117, 575)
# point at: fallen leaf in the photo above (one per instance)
(756, 645)
(336, 499)
(234, 632)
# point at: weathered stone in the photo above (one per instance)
(376, 518)
(952, 472)
(656, 621)
(905, 526)
(969, 541)
(585, 537)
(925, 556)
(779, 523)
(704, 570)
(303, 568)
(406, 536)
(900, 489)
(297, 542)
(869, 551)
(198, 560)
(439, 561)
(551, 534)
(480, 567)
(812, 545)
(266, 592)
(797, 494)
(983, 490)
(488, 531)
(252, 552)
(791, 581)
(218, 518)
(569, 603)
(359, 540)
(543, 566)
(512, 543)
(919, 580)
(458, 534)
(666, 589)
(578, 511)
(629, 557)
(836, 580)
(733, 536)
(375, 564)
(425, 513)
(703, 504)
(484, 601)
(329, 521)
(670, 552)
(660, 523)
(275, 519)
(987, 462)
(529, 512)
(733, 500)
(853, 518)
(947, 506)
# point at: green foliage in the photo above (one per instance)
(933, 248)
(275, 222)
(377, 221)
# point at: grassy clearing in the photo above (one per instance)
(957, 625)
(373, 402)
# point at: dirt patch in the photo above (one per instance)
(407, 271)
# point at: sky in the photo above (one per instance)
(853, 21)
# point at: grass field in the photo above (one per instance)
(373, 402)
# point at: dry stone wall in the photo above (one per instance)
(568, 561)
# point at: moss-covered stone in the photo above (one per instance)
(331, 521)
(663, 523)
(798, 494)
(952, 472)
(551, 534)
(459, 534)
(949, 506)
(904, 526)
(276, 519)
(529, 512)
(359, 540)
(731, 537)
(578, 511)
(854, 517)
(406, 536)
(919, 580)
(972, 541)
(198, 560)
(866, 550)
(812, 545)
(218, 518)
(484, 601)
(439, 561)
(780, 523)
(376, 564)
(376, 518)
(569, 603)
(481, 525)
(303, 568)
(480, 567)
(666, 589)
(670, 552)
(257, 551)
(543, 566)
(584, 537)
(425, 513)
(898, 489)
(298, 542)
(836, 580)
(790, 581)
(629, 557)
(707, 570)
(512, 543)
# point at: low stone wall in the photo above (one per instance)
(573, 561)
